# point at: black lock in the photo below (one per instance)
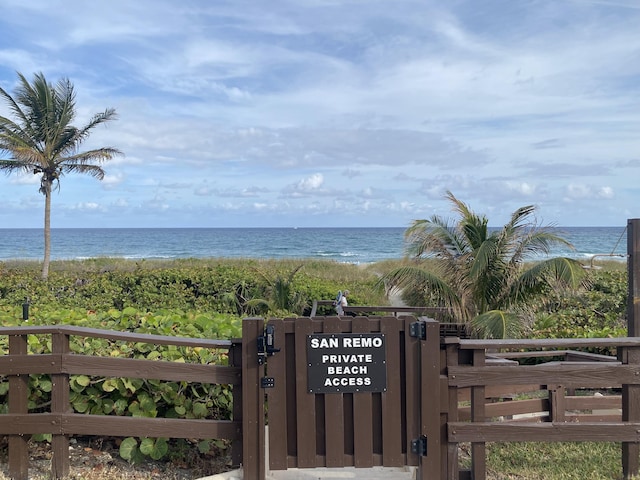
(266, 344)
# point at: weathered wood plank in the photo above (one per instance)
(68, 363)
(555, 343)
(591, 402)
(362, 411)
(557, 404)
(277, 397)
(305, 401)
(508, 409)
(235, 360)
(253, 435)
(430, 379)
(544, 432)
(154, 369)
(334, 412)
(478, 449)
(18, 397)
(392, 419)
(499, 391)
(28, 364)
(452, 360)
(568, 374)
(414, 387)
(115, 335)
(60, 404)
(111, 425)
(631, 413)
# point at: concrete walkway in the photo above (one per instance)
(376, 473)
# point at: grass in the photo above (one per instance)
(554, 461)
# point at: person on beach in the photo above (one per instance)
(341, 302)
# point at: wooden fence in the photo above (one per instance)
(62, 423)
(440, 390)
(571, 396)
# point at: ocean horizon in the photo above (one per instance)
(348, 245)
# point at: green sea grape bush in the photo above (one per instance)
(220, 285)
(597, 312)
(599, 308)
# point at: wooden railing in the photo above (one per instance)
(61, 422)
(431, 312)
(573, 396)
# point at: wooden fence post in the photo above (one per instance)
(235, 360)
(557, 403)
(452, 350)
(18, 397)
(334, 412)
(253, 432)
(630, 413)
(633, 274)
(631, 393)
(60, 404)
(478, 449)
(430, 401)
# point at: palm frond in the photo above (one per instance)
(497, 324)
(98, 119)
(435, 237)
(11, 166)
(94, 171)
(564, 271)
(415, 276)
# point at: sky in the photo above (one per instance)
(336, 113)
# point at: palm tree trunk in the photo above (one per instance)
(47, 231)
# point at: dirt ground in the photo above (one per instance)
(96, 458)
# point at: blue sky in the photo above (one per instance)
(337, 112)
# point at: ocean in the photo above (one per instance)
(349, 245)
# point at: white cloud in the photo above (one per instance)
(605, 192)
(88, 206)
(25, 179)
(578, 191)
(522, 188)
(313, 182)
(111, 181)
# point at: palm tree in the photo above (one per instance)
(282, 297)
(42, 141)
(487, 279)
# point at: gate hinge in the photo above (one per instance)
(266, 345)
(418, 330)
(419, 446)
(267, 382)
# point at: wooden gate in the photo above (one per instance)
(391, 419)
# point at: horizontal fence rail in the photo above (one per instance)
(431, 312)
(61, 422)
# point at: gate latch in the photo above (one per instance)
(266, 344)
(419, 446)
(418, 330)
